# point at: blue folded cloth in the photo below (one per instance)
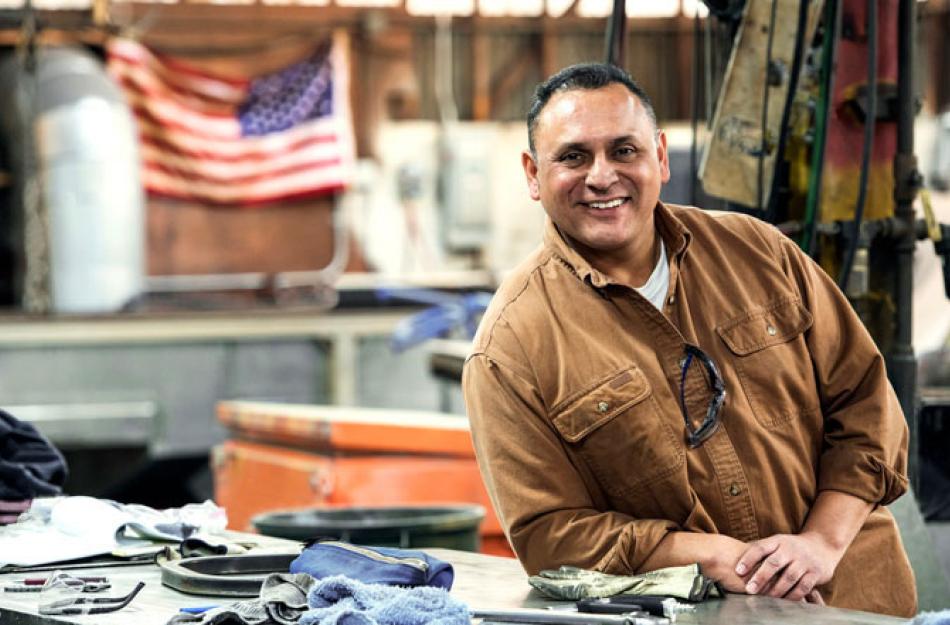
(339, 600)
(941, 617)
(374, 565)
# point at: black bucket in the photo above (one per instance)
(451, 527)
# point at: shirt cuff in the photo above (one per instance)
(862, 475)
(635, 545)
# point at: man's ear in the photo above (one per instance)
(531, 173)
(663, 155)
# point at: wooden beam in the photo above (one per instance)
(191, 28)
(57, 37)
(100, 12)
(515, 75)
(481, 76)
(550, 62)
(684, 42)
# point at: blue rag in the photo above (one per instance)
(374, 565)
(339, 600)
(941, 617)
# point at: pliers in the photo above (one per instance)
(90, 605)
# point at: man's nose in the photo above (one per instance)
(601, 173)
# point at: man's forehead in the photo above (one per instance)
(593, 115)
(574, 97)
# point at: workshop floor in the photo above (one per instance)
(940, 533)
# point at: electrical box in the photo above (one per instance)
(466, 153)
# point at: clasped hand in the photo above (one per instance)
(788, 566)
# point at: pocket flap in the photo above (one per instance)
(580, 417)
(764, 327)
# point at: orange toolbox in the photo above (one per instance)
(283, 456)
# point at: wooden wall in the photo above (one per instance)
(496, 64)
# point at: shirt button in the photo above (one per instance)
(771, 330)
(603, 407)
(671, 300)
(734, 489)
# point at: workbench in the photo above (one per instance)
(482, 581)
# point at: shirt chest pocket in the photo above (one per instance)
(773, 362)
(617, 430)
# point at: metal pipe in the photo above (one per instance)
(555, 617)
(870, 122)
(901, 362)
(693, 110)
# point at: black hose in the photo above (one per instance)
(764, 126)
(615, 33)
(869, 123)
(834, 15)
(789, 99)
(694, 110)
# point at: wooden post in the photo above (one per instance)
(481, 74)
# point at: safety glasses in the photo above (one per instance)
(697, 435)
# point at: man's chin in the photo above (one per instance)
(604, 244)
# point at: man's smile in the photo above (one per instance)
(606, 204)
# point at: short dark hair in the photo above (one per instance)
(583, 76)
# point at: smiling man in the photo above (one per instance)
(658, 385)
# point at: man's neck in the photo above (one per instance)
(635, 272)
(631, 266)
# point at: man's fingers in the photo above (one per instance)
(803, 588)
(814, 597)
(754, 554)
(786, 581)
(769, 568)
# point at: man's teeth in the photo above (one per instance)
(610, 204)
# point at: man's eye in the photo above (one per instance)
(625, 152)
(570, 158)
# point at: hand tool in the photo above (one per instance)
(620, 604)
(59, 579)
(90, 605)
(39, 581)
(554, 617)
(198, 609)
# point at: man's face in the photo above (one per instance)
(599, 168)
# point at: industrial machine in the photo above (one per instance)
(813, 132)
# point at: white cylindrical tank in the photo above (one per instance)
(87, 152)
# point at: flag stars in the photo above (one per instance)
(280, 101)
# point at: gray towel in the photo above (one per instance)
(283, 599)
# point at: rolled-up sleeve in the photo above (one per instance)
(540, 494)
(866, 435)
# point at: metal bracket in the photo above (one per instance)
(228, 576)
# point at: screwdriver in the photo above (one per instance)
(554, 617)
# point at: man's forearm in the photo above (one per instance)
(837, 518)
(716, 555)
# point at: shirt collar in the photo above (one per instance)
(675, 235)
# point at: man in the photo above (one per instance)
(658, 385)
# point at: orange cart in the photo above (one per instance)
(283, 456)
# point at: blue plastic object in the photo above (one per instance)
(448, 312)
(374, 565)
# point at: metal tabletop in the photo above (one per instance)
(482, 581)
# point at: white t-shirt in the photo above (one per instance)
(656, 287)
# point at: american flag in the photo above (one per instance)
(225, 140)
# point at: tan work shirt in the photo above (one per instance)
(573, 392)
